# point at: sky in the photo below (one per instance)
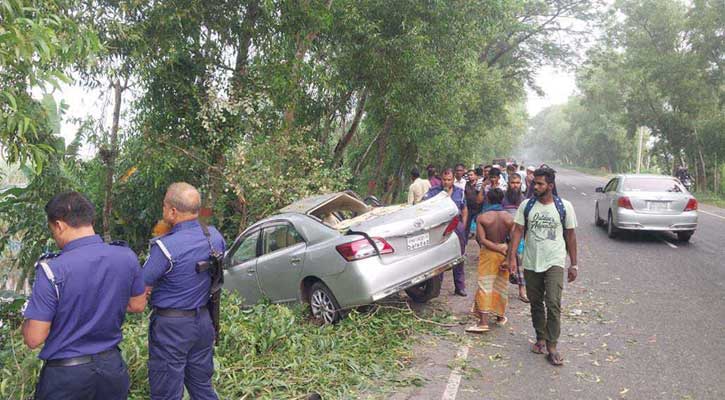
(557, 84)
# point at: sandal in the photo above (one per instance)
(555, 359)
(478, 329)
(539, 348)
(524, 299)
(501, 321)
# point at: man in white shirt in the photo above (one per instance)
(459, 178)
(418, 188)
(512, 169)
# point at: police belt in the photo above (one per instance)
(73, 361)
(172, 312)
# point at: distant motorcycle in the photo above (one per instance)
(687, 183)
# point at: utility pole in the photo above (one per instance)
(639, 147)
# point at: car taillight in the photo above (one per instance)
(362, 248)
(624, 202)
(451, 226)
(691, 205)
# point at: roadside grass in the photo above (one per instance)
(272, 352)
(713, 199)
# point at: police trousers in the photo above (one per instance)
(181, 353)
(104, 378)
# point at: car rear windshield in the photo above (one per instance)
(651, 185)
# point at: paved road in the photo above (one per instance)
(645, 320)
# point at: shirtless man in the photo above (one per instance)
(493, 228)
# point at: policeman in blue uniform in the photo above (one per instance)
(181, 335)
(78, 304)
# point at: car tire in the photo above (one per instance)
(597, 221)
(684, 236)
(612, 230)
(426, 290)
(324, 305)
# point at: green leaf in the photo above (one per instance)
(11, 99)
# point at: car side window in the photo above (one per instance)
(293, 237)
(246, 250)
(611, 186)
(278, 237)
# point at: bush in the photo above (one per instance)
(267, 351)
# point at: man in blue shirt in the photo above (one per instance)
(78, 304)
(181, 334)
(459, 198)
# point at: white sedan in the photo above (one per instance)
(647, 203)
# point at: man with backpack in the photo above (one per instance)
(547, 223)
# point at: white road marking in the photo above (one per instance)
(709, 213)
(454, 381)
(584, 194)
(669, 244)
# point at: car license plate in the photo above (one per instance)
(418, 241)
(658, 205)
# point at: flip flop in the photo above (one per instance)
(524, 299)
(478, 329)
(555, 359)
(502, 322)
(539, 348)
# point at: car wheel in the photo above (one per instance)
(426, 290)
(597, 220)
(612, 230)
(684, 236)
(323, 304)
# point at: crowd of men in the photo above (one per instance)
(525, 232)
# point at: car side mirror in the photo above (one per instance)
(599, 190)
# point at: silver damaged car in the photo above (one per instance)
(335, 252)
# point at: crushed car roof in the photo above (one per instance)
(310, 204)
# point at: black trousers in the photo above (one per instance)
(104, 378)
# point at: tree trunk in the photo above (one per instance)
(325, 133)
(345, 139)
(245, 41)
(397, 182)
(382, 145)
(302, 45)
(110, 160)
(216, 187)
(332, 112)
(700, 166)
(363, 159)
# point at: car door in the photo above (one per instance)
(240, 273)
(279, 267)
(610, 193)
(603, 201)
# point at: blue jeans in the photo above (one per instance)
(181, 351)
(104, 378)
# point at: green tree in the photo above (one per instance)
(39, 40)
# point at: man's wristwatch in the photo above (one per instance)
(574, 267)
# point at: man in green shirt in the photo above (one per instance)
(549, 232)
